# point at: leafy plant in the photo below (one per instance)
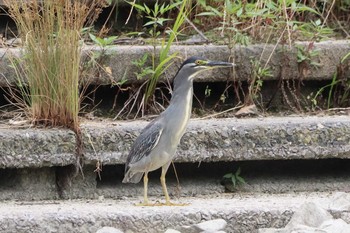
(233, 180)
(256, 81)
(336, 81)
(98, 56)
(315, 30)
(155, 16)
(144, 71)
(230, 14)
(307, 55)
(165, 59)
(95, 62)
(207, 91)
(244, 21)
(207, 94)
(161, 60)
(241, 20)
(103, 42)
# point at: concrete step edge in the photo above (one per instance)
(213, 140)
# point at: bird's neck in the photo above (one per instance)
(180, 107)
(182, 96)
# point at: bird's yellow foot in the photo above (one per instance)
(174, 204)
(144, 203)
(169, 203)
(161, 204)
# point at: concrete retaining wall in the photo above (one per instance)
(281, 59)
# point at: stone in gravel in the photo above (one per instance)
(336, 226)
(172, 231)
(311, 218)
(340, 202)
(309, 214)
(211, 226)
(109, 230)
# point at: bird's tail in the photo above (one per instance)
(132, 177)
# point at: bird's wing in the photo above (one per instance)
(145, 142)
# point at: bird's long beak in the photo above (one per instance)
(218, 64)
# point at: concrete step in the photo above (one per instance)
(281, 59)
(231, 139)
(243, 213)
(34, 161)
(195, 180)
(213, 140)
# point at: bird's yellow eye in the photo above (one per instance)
(200, 62)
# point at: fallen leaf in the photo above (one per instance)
(250, 110)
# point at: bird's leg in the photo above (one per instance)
(165, 190)
(145, 190)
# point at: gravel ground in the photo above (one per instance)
(243, 213)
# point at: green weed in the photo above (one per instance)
(315, 30)
(241, 20)
(256, 81)
(233, 180)
(103, 42)
(307, 55)
(339, 82)
(144, 71)
(160, 57)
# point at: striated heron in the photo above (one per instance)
(156, 145)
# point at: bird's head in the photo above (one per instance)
(194, 65)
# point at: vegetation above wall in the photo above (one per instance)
(232, 23)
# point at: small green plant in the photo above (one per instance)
(230, 14)
(95, 63)
(161, 60)
(144, 71)
(338, 79)
(207, 91)
(307, 55)
(155, 21)
(233, 180)
(155, 16)
(98, 56)
(103, 42)
(242, 21)
(207, 94)
(258, 74)
(315, 30)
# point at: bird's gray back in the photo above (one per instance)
(145, 142)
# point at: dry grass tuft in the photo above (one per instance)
(48, 72)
